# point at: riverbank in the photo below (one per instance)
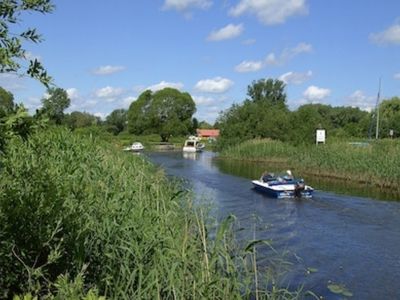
(79, 216)
(376, 163)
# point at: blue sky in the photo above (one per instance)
(105, 53)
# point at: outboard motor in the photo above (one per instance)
(298, 188)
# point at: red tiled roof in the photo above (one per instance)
(208, 132)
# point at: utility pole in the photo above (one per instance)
(377, 110)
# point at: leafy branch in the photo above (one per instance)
(11, 50)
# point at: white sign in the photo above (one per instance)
(320, 136)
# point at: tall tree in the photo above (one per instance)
(6, 102)
(11, 50)
(390, 117)
(268, 90)
(77, 119)
(264, 115)
(55, 104)
(166, 112)
(116, 121)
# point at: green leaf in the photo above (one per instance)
(339, 289)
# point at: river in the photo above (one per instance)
(334, 238)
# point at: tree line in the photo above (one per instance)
(169, 112)
(265, 114)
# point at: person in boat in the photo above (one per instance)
(266, 176)
(288, 176)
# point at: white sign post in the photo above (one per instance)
(320, 136)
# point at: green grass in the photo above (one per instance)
(378, 163)
(78, 215)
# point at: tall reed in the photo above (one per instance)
(73, 206)
(377, 163)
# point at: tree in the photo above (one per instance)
(11, 51)
(116, 121)
(390, 116)
(55, 104)
(268, 90)
(195, 125)
(78, 119)
(305, 121)
(166, 112)
(6, 102)
(205, 125)
(264, 115)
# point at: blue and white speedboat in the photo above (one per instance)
(283, 186)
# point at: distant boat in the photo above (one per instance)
(193, 145)
(135, 147)
(283, 186)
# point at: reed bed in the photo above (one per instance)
(80, 218)
(376, 163)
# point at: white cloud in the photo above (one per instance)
(316, 94)
(184, 5)
(389, 36)
(274, 60)
(359, 99)
(109, 93)
(107, 70)
(249, 66)
(230, 31)
(270, 12)
(271, 59)
(214, 85)
(126, 102)
(288, 54)
(201, 100)
(101, 115)
(396, 76)
(33, 103)
(12, 82)
(208, 114)
(72, 93)
(164, 84)
(295, 78)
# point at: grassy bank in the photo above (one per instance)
(78, 215)
(377, 163)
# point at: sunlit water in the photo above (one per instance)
(349, 240)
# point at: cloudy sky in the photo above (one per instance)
(105, 53)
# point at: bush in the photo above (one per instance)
(70, 203)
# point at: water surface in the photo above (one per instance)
(349, 240)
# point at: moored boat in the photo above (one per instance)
(193, 145)
(283, 186)
(135, 147)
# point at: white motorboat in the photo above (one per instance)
(135, 147)
(283, 186)
(193, 145)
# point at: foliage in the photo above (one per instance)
(17, 123)
(195, 125)
(117, 120)
(166, 112)
(390, 117)
(77, 119)
(6, 102)
(204, 125)
(268, 90)
(72, 207)
(363, 163)
(11, 51)
(264, 115)
(55, 104)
